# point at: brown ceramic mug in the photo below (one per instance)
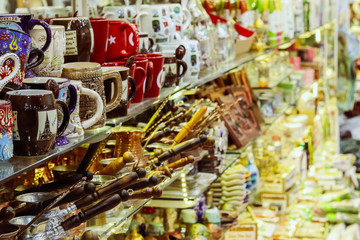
(36, 121)
(92, 77)
(174, 68)
(79, 38)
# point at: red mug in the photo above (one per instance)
(101, 32)
(123, 40)
(153, 88)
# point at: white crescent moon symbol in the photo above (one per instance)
(131, 39)
(159, 78)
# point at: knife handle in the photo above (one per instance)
(147, 193)
(85, 215)
(180, 148)
(157, 136)
(179, 163)
(190, 125)
(139, 184)
(106, 191)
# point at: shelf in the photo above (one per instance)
(128, 209)
(18, 165)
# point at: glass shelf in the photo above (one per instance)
(20, 164)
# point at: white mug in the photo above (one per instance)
(193, 60)
(54, 55)
(76, 127)
(178, 14)
(156, 20)
(123, 13)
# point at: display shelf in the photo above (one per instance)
(276, 81)
(131, 207)
(18, 165)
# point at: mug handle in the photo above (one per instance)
(151, 45)
(46, 26)
(117, 80)
(180, 52)
(137, 20)
(187, 14)
(132, 88)
(180, 63)
(150, 75)
(53, 86)
(133, 39)
(14, 72)
(35, 53)
(73, 98)
(142, 73)
(99, 107)
(66, 119)
(108, 15)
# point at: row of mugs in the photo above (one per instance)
(162, 22)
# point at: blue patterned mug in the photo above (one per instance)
(6, 123)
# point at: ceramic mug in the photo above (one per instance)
(101, 33)
(76, 126)
(24, 22)
(9, 68)
(123, 13)
(61, 88)
(36, 121)
(143, 73)
(153, 88)
(156, 20)
(174, 68)
(180, 16)
(91, 75)
(18, 42)
(126, 95)
(54, 55)
(79, 38)
(145, 43)
(123, 40)
(6, 123)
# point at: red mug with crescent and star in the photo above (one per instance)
(123, 40)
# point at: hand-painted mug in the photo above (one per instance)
(123, 13)
(126, 95)
(180, 16)
(36, 121)
(54, 55)
(145, 43)
(6, 123)
(61, 88)
(24, 22)
(14, 41)
(76, 125)
(79, 38)
(175, 69)
(9, 68)
(123, 40)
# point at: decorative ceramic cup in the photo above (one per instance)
(91, 75)
(126, 95)
(123, 40)
(180, 16)
(146, 43)
(152, 89)
(9, 68)
(6, 123)
(76, 126)
(175, 69)
(36, 121)
(79, 38)
(143, 73)
(54, 55)
(123, 13)
(24, 22)
(156, 20)
(14, 41)
(101, 33)
(61, 88)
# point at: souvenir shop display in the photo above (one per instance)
(172, 120)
